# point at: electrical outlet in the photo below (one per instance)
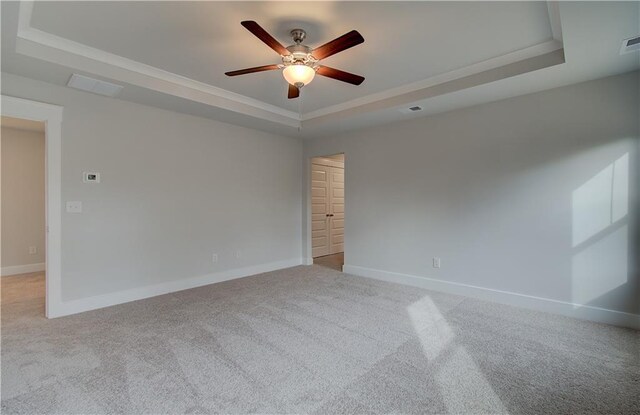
(238, 254)
(214, 258)
(33, 250)
(436, 262)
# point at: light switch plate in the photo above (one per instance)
(74, 206)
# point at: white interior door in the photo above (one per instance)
(336, 210)
(327, 207)
(320, 209)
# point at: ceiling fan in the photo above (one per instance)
(300, 63)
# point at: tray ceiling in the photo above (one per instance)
(440, 55)
(405, 42)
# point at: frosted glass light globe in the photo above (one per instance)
(298, 74)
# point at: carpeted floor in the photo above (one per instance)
(310, 339)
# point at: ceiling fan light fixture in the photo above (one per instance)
(298, 74)
(300, 62)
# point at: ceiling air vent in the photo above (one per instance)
(630, 45)
(95, 86)
(409, 110)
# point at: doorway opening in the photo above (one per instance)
(327, 211)
(51, 116)
(23, 207)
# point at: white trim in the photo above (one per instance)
(52, 117)
(553, 8)
(52, 48)
(476, 68)
(307, 261)
(22, 269)
(581, 311)
(107, 300)
(43, 45)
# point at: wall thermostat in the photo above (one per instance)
(90, 177)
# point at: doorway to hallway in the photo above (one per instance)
(335, 261)
(23, 222)
(327, 210)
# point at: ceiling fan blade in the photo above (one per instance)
(344, 42)
(262, 34)
(252, 70)
(294, 92)
(340, 75)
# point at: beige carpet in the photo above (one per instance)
(309, 339)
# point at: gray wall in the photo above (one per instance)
(175, 189)
(535, 195)
(22, 197)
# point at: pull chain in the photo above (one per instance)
(300, 110)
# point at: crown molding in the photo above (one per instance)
(553, 8)
(42, 45)
(522, 55)
(46, 46)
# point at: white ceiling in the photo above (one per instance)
(443, 55)
(202, 40)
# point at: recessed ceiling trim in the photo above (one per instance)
(477, 79)
(494, 63)
(184, 88)
(553, 8)
(34, 43)
(46, 46)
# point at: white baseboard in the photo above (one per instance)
(66, 308)
(307, 261)
(22, 269)
(581, 311)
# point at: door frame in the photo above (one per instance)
(307, 258)
(51, 115)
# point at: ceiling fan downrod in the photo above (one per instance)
(298, 35)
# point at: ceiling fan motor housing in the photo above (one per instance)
(298, 35)
(300, 55)
(299, 49)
